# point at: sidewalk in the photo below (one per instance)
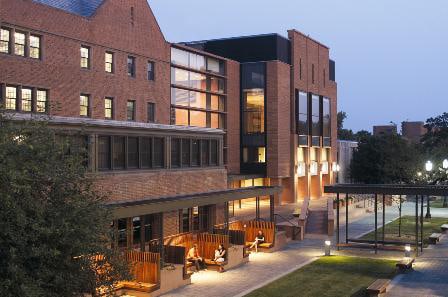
(430, 275)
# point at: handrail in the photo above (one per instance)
(278, 215)
(304, 212)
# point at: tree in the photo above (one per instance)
(386, 159)
(344, 134)
(52, 222)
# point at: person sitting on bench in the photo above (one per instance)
(220, 254)
(193, 256)
(258, 240)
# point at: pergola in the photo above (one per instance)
(383, 190)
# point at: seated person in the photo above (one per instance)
(193, 256)
(220, 254)
(258, 240)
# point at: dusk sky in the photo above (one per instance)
(391, 56)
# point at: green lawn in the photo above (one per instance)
(330, 277)
(408, 230)
(437, 204)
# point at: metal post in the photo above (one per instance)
(428, 208)
(272, 208)
(416, 226)
(226, 217)
(337, 220)
(421, 224)
(161, 241)
(346, 218)
(257, 208)
(384, 216)
(376, 223)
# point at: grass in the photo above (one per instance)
(437, 204)
(408, 230)
(330, 277)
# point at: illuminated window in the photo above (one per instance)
(198, 100)
(198, 118)
(19, 44)
(109, 62)
(215, 65)
(130, 110)
(108, 108)
(253, 110)
(313, 168)
(84, 106)
(301, 169)
(216, 85)
(324, 167)
(181, 117)
(41, 102)
(254, 155)
(315, 120)
(11, 98)
(85, 57)
(34, 47)
(4, 40)
(326, 122)
(27, 99)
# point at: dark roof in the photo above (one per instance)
(436, 190)
(85, 8)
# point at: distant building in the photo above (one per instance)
(413, 131)
(384, 130)
(345, 155)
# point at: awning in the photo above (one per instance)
(133, 208)
(432, 190)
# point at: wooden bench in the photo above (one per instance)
(444, 228)
(405, 264)
(378, 287)
(139, 287)
(252, 227)
(434, 238)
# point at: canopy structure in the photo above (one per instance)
(419, 191)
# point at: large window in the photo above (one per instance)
(326, 122)
(186, 152)
(119, 158)
(151, 70)
(159, 148)
(19, 44)
(195, 152)
(253, 110)
(109, 62)
(315, 120)
(85, 57)
(41, 101)
(27, 99)
(130, 110)
(133, 153)
(11, 98)
(146, 152)
(131, 66)
(34, 47)
(213, 152)
(175, 153)
(108, 108)
(302, 117)
(84, 105)
(188, 79)
(254, 155)
(5, 37)
(196, 61)
(104, 153)
(205, 153)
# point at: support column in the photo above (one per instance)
(337, 220)
(346, 218)
(421, 224)
(384, 217)
(416, 225)
(376, 223)
(272, 208)
(226, 217)
(257, 208)
(161, 241)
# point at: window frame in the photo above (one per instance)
(134, 104)
(131, 67)
(24, 45)
(29, 101)
(8, 42)
(85, 106)
(11, 99)
(151, 112)
(39, 47)
(111, 108)
(111, 63)
(87, 59)
(151, 71)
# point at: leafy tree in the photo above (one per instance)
(52, 222)
(435, 141)
(386, 159)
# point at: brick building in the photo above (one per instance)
(381, 130)
(175, 132)
(413, 131)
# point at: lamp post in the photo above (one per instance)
(428, 167)
(327, 248)
(445, 167)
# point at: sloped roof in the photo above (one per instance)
(85, 8)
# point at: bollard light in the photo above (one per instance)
(407, 251)
(445, 164)
(327, 248)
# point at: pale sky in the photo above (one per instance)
(391, 55)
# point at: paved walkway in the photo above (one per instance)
(430, 275)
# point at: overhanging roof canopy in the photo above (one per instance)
(439, 190)
(133, 208)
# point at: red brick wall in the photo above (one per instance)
(110, 29)
(171, 223)
(278, 122)
(152, 184)
(233, 117)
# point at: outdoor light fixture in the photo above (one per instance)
(407, 251)
(445, 164)
(324, 168)
(428, 166)
(313, 168)
(335, 167)
(419, 174)
(301, 169)
(327, 248)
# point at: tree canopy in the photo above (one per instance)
(52, 222)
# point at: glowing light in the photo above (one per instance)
(428, 166)
(445, 164)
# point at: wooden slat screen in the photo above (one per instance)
(145, 267)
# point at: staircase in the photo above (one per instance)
(317, 222)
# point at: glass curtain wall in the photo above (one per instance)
(302, 117)
(315, 120)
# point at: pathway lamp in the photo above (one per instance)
(407, 251)
(327, 248)
(428, 167)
